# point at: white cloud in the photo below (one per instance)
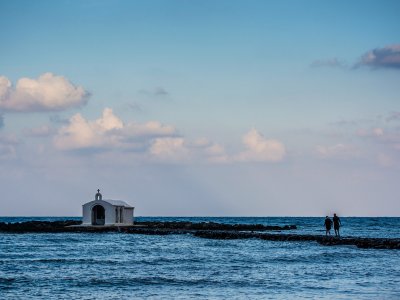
(108, 132)
(216, 154)
(215, 150)
(261, 149)
(209, 151)
(169, 149)
(48, 92)
(152, 128)
(378, 131)
(108, 121)
(177, 149)
(79, 134)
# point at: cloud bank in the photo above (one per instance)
(48, 92)
(108, 132)
(153, 141)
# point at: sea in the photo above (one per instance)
(133, 266)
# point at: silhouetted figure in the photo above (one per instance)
(328, 225)
(336, 224)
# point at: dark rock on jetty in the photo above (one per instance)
(68, 226)
(213, 226)
(37, 226)
(207, 230)
(376, 243)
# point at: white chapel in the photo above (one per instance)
(107, 212)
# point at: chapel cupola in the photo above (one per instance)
(98, 195)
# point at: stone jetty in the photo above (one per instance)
(170, 227)
(208, 230)
(376, 243)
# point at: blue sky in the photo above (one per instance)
(200, 108)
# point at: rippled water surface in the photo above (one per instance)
(123, 266)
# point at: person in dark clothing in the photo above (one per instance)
(328, 225)
(336, 224)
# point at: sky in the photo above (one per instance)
(200, 108)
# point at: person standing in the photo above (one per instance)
(336, 224)
(328, 225)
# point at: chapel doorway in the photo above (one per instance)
(98, 215)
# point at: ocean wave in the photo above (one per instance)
(150, 280)
(123, 266)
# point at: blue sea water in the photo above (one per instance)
(128, 266)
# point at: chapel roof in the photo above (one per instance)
(117, 203)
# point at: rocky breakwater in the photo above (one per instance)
(139, 227)
(375, 243)
(165, 228)
(208, 230)
(213, 226)
(37, 226)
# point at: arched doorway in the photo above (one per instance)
(98, 215)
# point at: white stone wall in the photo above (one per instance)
(86, 214)
(110, 213)
(128, 216)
